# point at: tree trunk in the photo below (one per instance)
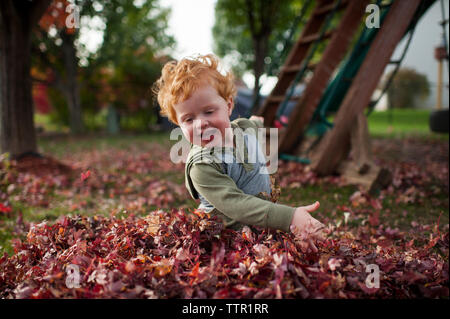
(260, 28)
(72, 91)
(17, 133)
(260, 44)
(16, 117)
(258, 69)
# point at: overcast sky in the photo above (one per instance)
(420, 55)
(191, 23)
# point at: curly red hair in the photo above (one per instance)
(180, 79)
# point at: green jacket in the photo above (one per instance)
(207, 179)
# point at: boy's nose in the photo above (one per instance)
(201, 124)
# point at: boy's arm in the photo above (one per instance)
(221, 191)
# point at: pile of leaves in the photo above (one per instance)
(182, 254)
(93, 181)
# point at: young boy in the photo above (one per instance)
(194, 95)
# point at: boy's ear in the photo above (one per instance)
(230, 105)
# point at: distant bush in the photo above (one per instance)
(407, 88)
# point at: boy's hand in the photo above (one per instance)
(257, 118)
(307, 228)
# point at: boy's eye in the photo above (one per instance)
(209, 112)
(188, 120)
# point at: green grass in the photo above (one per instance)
(66, 144)
(401, 123)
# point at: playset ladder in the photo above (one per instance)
(296, 59)
(334, 146)
(334, 53)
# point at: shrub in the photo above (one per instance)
(407, 88)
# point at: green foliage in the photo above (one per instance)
(233, 36)
(408, 89)
(60, 111)
(123, 69)
(131, 30)
(128, 62)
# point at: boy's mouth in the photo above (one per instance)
(207, 139)
(208, 135)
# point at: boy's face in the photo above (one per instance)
(203, 116)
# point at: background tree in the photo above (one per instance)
(119, 73)
(135, 42)
(408, 87)
(252, 32)
(17, 19)
(54, 50)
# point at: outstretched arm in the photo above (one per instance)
(307, 228)
(221, 191)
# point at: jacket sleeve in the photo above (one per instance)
(221, 191)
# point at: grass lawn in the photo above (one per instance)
(400, 123)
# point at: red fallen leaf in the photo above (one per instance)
(334, 263)
(385, 242)
(162, 268)
(366, 289)
(357, 199)
(412, 277)
(247, 234)
(432, 242)
(5, 209)
(376, 203)
(194, 273)
(200, 213)
(85, 175)
(222, 294)
(387, 266)
(414, 224)
(324, 286)
(130, 266)
(410, 244)
(374, 219)
(427, 265)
